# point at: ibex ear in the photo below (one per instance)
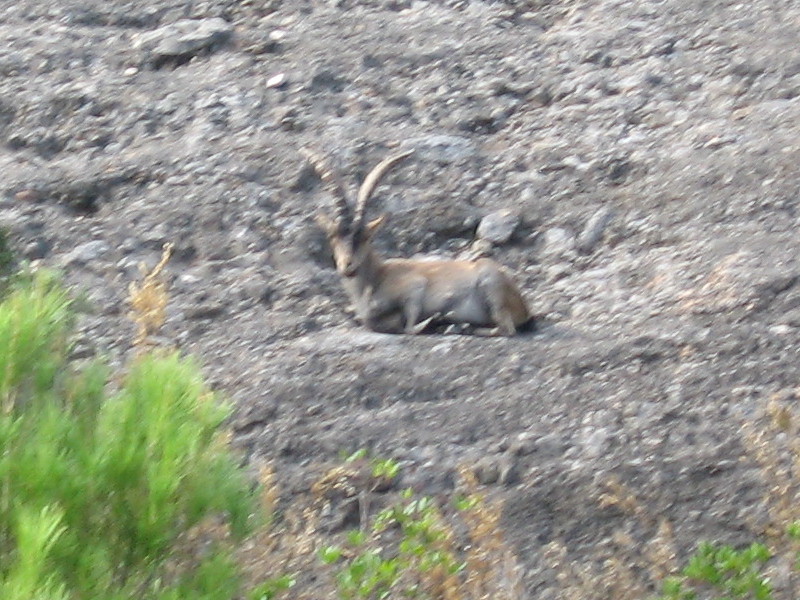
(326, 223)
(374, 225)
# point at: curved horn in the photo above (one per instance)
(373, 179)
(329, 177)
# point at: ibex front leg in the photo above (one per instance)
(413, 309)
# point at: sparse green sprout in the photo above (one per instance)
(407, 551)
(272, 587)
(330, 554)
(356, 456)
(672, 589)
(735, 574)
(465, 503)
(385, 468)
(356, 537)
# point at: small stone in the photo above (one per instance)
(595, 227)
(477, 249)
(328, 81)
(37, 249)
(277, 35)
(183, 39)
(558, 241)
(441, 148)
(524, 444)
(558, 271)
(344, 514)
(208, 309)
(486, 471)
(87, 253)
(498, 227)
(257, 42)
(26, 196)
(277, 81)
(780, 330)
(595, 442)
(501, 86)
(509, 471)
(257, 289)
(83, 348)
(791, 318)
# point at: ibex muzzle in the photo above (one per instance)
(400, 295)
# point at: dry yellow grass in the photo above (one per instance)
(492, 568)
(774, 444)
(149, 299)
(627, 569)
(630, 569)
(472, 536)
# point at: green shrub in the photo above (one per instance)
(100, 482)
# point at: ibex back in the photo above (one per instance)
(401, 295)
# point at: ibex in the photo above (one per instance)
(401, 295)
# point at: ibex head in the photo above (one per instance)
(349, 233)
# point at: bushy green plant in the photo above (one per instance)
(98, 482)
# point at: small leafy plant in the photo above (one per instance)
(730, 573)
(271, 588)
(418, 548)
(414, 562)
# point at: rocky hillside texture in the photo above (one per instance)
(636, 163)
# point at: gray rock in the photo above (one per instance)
(595, 227)
(327, 80)
(206, 309)
(83, 347)
(256, 288)
(525, 443)
(498, 227)
(557, 271)
(595, 441)
(480, 120)
(441, 148)
(183, 39)
(277, 81)
(37, 249)
(509, 470)
(487, 470)
(497, 469)
(558, 241)
(86, 253)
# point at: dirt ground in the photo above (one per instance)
(649, 151)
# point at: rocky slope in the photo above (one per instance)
(648, 151)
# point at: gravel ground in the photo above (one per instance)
(645, 155)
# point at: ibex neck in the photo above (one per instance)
(369, 272)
